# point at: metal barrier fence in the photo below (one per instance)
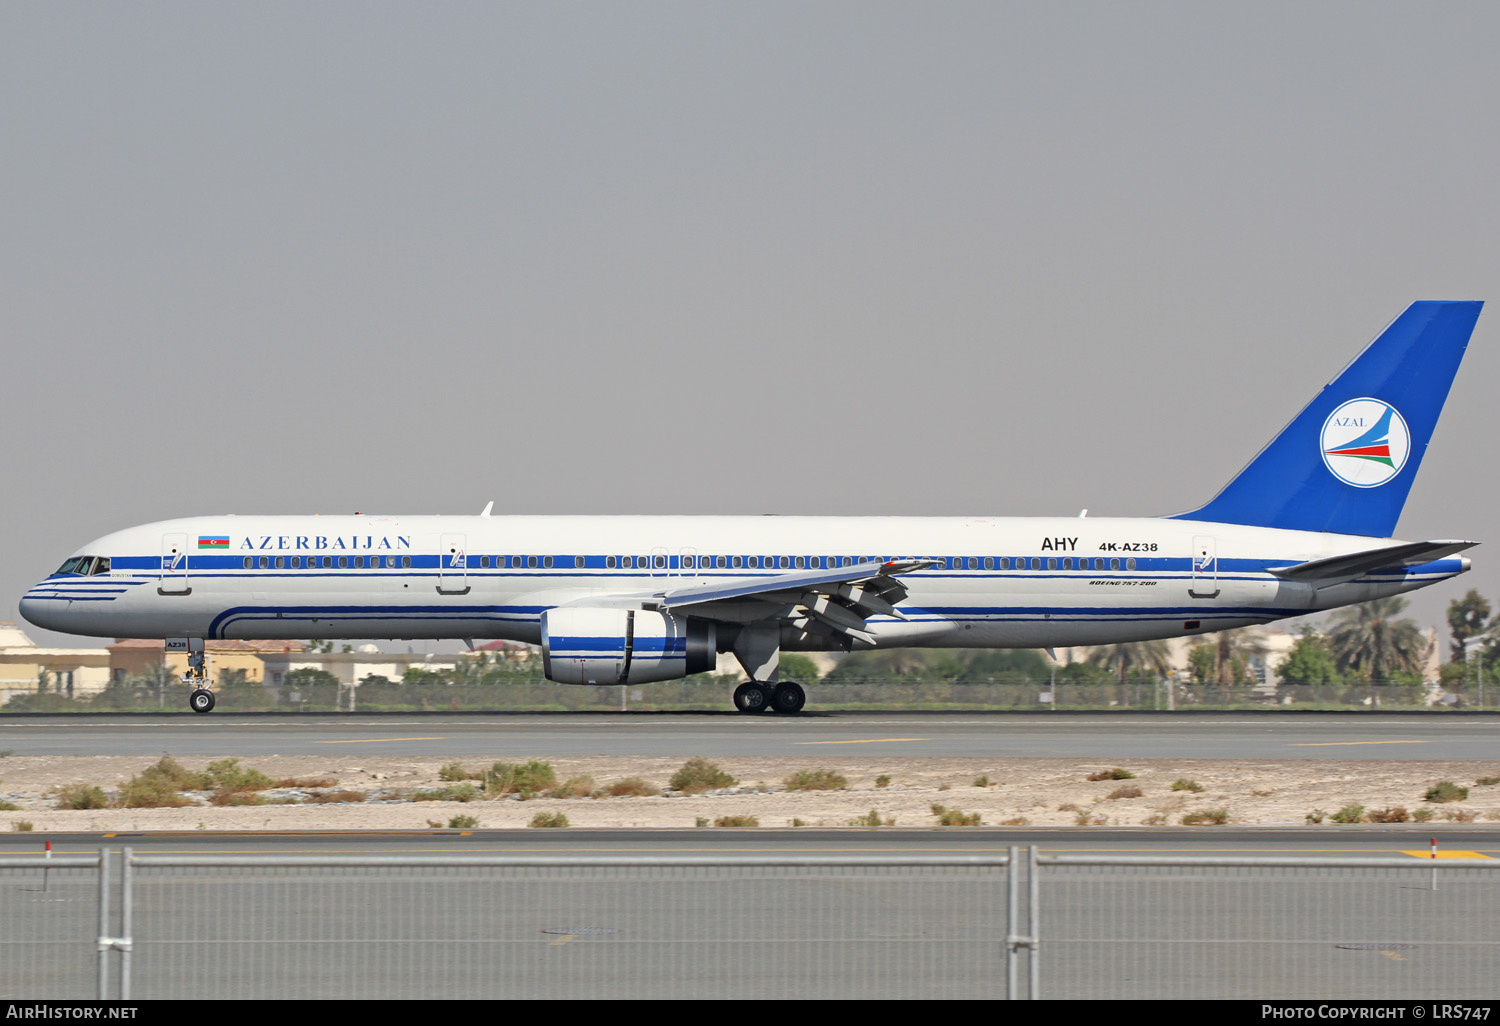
(699, 695)
(455, 926)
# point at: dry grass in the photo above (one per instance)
(1112, 774)
(1129, 791)
(737, 821)
(330, 797)
(633, 787)
(1206, 817)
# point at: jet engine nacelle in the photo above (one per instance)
(583, 645)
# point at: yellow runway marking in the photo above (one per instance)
(1328, 744)
(1452, 854)
(1393, 956)
(372, 740)
(865, 741)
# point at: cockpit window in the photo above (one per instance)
(85, 565)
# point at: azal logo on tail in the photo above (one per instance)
(1365, 442)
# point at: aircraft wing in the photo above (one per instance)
(1322, 573)
(838, 599)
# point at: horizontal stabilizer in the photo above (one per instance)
(1336, 569)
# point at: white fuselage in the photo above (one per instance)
(1002, 582)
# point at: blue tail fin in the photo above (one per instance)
(1345, 463)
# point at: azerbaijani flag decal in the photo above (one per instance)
(213, 541)
(1365, 442)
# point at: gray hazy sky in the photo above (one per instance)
(952, 258)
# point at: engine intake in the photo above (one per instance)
(586, 645)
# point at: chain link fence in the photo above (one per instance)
(735, 927)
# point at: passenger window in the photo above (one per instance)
(687, 562)
(754, 562)
(989, 562)
(281, 562)
(1036, 563)
(1067, 563)
(660, 562)
(1004, 562)
(547, 562)
(1130, 563)
(800, 563)
(359, 562)
(1114, 564)
(737, 562)
(719, 561)
(609, 562)
(973, 563)
(1051, 562)
(265, 562)
(406, 562)
(578, 562)
(531, 562)
(785, 562)
(343, 562)
(484, 562)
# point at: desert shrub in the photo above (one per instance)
(737, 821)
(527, 779)
(1446, 791)
(1184, 784)
(1350, 814)
(453, 772)
(452, 793)
(955, 817)
(982, 781)
(1018, 821)
(1460, 815)
(9, 807)
(796, 822)
(160, 786)
(884, 780)
(1421, 816)
(548, 819)
(1316, 816)
(872, 819)
(698, 775)
(305, 782)
(1123, 792)
(223, 797)
(632, 786)
(1392, 815)
(81, 796)
(22, 825)
(1112, 774)
(573, 787)
(815, 780)
(701, 821)
(462, 823)
(329, 797)
(229, 775)
(1087, 818)
(1206, 817)
(1488, 780)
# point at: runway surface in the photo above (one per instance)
(1379, 736)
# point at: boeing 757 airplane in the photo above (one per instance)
(1306, 526)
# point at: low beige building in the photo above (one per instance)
(68, 671)
(131, 657)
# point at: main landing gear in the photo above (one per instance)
(756, 696)
(202, 699)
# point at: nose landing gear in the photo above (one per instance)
(201, 700)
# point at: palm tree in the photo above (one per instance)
(1236, 646)
(1132, 656)
(1369, 638)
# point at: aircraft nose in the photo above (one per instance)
(45, 609)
